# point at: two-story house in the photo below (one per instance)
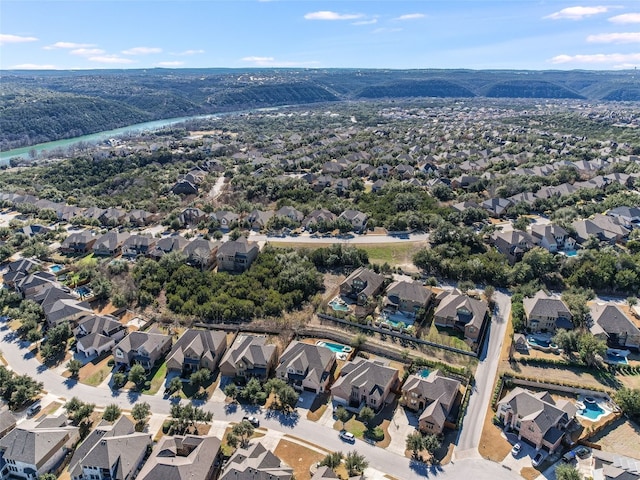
(236, 255)
(407, 297)
(255, 463)
(536, 417)
(192, 216)
(291, 213)
(144, 348)
(432, 396)
(110, 244)
(364, 383)
(98, 334)
(110, 452)
(356, 218)
(138, 245)
(196, 349)
(610, 323)
(258, 219)
(189, 457)
(306, 367)
(78, 242)
(552, 238)
(513, 244)
(35, 447)
(461, 312)
(362, 286)
(201, 252)
(249, 356)
(545, 313)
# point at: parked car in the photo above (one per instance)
(516, 449)
(569, 457)
(537, 460)
(252, 420)
(347, 436)
(33, 409)
(582, 451)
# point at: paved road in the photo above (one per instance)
(356, 239)
(20, 359)
(469, 437)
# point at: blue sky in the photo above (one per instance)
(477, 34)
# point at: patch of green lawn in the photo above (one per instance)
(96, 378)
(157, 380)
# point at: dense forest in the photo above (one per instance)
(69, 104)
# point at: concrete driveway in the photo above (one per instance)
(404, 422)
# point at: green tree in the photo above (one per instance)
(342, 415)
(200, 377)
(431, 443)
(140, 412)
(629, 400)
(358, 341)
(415, 442)
(112, 412)
(366, 415)
(231, 391)
(243, 431)
(567, 340)
(175, 385)
(589, 347)
(137, 375)
(47, 476)
(118, 380)
(565, 471)
(332, 460)
(288, 397)
(186, 416)
(74, 367)
(253, 392)
(355, 463)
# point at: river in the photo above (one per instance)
(26, 152)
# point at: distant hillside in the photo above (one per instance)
(427, 88)
(41, 106)
(529, 89)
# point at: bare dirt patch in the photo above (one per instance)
(529, 473)
(621, 437)
(298, 457)
(493, 445)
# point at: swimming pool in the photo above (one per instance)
(617, 357)
(592, 410)
(424, 373)
(338, 305)
(541, 343)
(334, 347)
(83, 291)
(56, 268)
(397, 319)
(570, 253)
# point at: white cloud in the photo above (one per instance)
(621, 37)
(110, 59)
(86, 52)
(33, 66)
(626, 18)
(69, 45)
(272, 62)
(577, 13)
(8, 38)
(327, 15)
(176, 63)
(373, 21)
(142, 51)
(410, 16)
(189, 52)
(599, 58)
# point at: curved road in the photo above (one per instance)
(17, 355)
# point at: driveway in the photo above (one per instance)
(404, 422)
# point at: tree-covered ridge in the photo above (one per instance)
(278, 280)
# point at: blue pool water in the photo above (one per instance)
(615, 358)
(571, 253)
(591, 410)
(539, 341)
(335, 347)
(424, 373)
(56, 268)
(338, 306)
(395, 319)
(83, 291)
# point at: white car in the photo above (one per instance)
(252, 420)
(516, 449)
(347, 436)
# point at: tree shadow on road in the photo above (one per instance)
(69, 382)
(286, 419)
(230, 408)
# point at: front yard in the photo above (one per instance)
(298, 457)
(95, 372)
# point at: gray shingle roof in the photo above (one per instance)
(315, 361)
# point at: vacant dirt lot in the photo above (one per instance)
(621, 437)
